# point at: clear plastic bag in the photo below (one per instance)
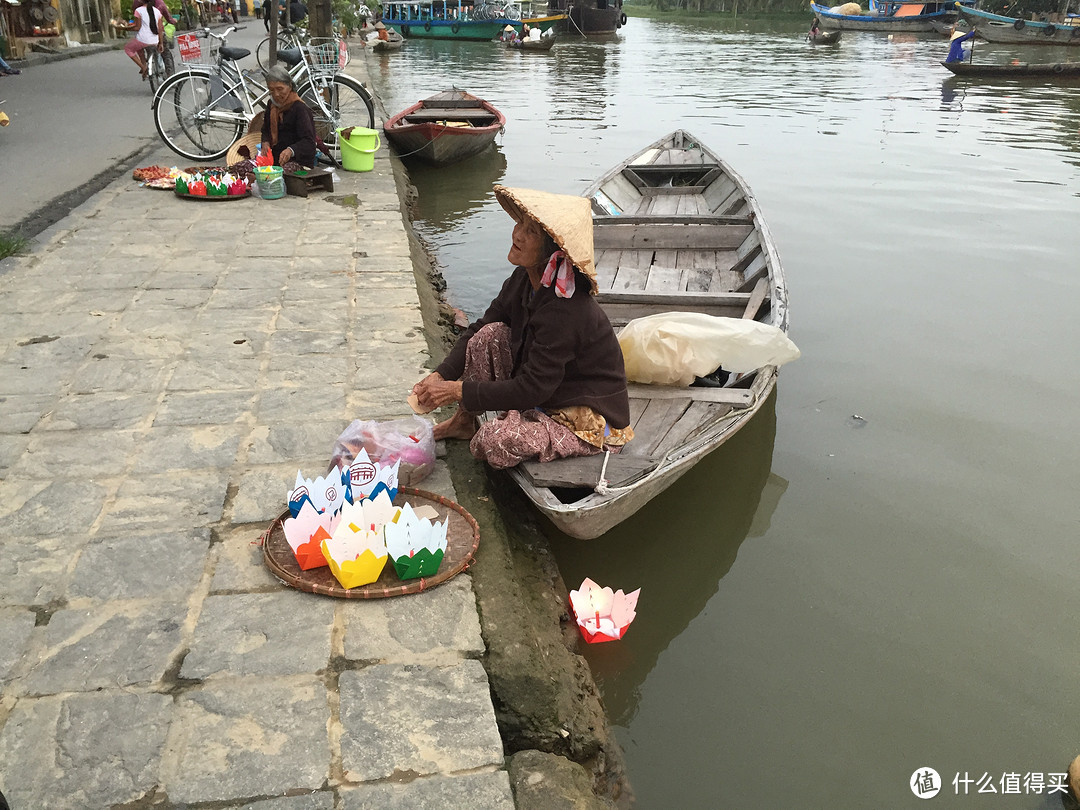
(408, 440)
(671, 348)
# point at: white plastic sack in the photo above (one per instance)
(672, 348)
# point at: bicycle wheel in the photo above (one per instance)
(155, 70)
(193, 119)
(337, 102)
(262, 54)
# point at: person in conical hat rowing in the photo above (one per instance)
(544, 351)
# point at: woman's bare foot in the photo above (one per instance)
(459, 426)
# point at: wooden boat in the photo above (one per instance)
(545, 43)
(674, 229)
(459, 19)
(891, 16)
(394, 43)
(590, 17)
(445, 128)
(998, 28)
(1018, 71)
(823, 37)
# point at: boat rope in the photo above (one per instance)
(570, 17)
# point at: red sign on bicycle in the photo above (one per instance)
(190, 50)
(343, 54)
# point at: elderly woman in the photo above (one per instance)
(544, 352)
(288, 130)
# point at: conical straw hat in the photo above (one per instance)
(567, 220)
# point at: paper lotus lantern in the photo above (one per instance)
(416, 545)
(356, 555)
(326, 494)
(602, 615)
(238, 188)
(197, 189)
(368, 478)
(305, 534)
(372, 514)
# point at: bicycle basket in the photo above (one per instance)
(195, 50)
(324, 56)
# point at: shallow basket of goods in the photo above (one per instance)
(462, 541)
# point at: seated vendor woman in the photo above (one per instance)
(288, 130)
(544, 354)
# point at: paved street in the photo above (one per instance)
(73, 119)
(165, 368)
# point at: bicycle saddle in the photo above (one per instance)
(290, 56)
(232, 54)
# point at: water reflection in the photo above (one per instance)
(676, 549)
(449, 196)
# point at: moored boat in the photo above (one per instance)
(590, 16)
(1019, 70)
(674, 229)
(445, 128)
(999, 28)
(394, 43)
(459, 19)
(892, 16)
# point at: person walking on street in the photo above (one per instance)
(8, 70)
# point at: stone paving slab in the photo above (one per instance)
(156, 400)
(396, 720)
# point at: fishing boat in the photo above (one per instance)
(459, 19)
(445, 128)
(998, 28)
(891, 16)
(590, 17)
(960, 60)
(674, 229)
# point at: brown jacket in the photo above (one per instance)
(564, 352)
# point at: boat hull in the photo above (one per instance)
(590, 17)
(1062, 69)
(998, 28)
(473, 30)
(445, 128)
(914, 24)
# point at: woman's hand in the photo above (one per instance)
(286, 156)
(433, 391)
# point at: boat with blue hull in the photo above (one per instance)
(999, 28)
(459, 19)
(890, 16)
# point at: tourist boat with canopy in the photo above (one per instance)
(675, 229)
(461, 19)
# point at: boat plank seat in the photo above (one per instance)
(584, 471)
(655, 422)
(735, 397)
(444, 114)
(621, 314)
(671, 237)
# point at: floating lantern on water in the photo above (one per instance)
(602, 615)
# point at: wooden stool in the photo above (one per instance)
(300, 184)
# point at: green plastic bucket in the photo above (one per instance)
(358, 150)
(271, 182)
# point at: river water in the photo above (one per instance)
(876, 575)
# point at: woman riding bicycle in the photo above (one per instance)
(288, 130)
(151, 33)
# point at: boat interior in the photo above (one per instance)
(669, 235)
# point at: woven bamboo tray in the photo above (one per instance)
(462, 540)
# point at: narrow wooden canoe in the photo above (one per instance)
(675, 229)
(1018, 71)
(824, 38)
(545, 43)
(445, 128)
(393, 44)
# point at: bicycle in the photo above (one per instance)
(157, 71)
(292, 36)
(202, 111)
